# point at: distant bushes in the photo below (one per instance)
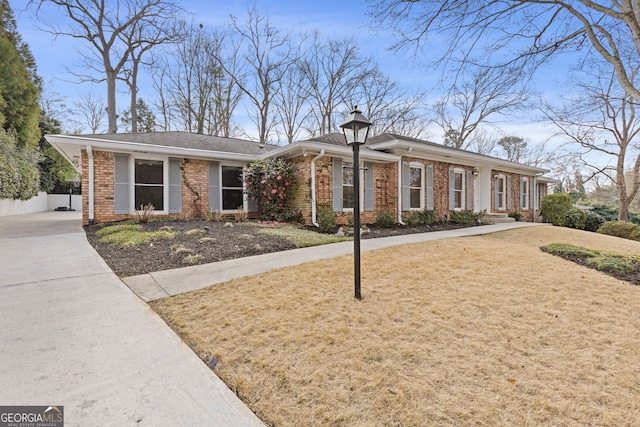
(620, 229)
(594, 221)
(575, 218)
(555, 207)
(558, 210)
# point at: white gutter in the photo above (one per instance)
(536, 202)
(90, 179)
(313, 188)
(134, 147)
(400, 192)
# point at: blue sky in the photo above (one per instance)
(331, 17)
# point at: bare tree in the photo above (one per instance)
(141, 37)
(604, 123)
(528, 32)
(292, 104)
(266, 56)
(391, 108)
(105, 26)
(93, 109)
(514, 148)
(334, 70)
(483, 142)
(488, 93)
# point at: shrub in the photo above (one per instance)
(466, 217)
(594, 221)
(267, 182)
(215, 216)
(413, 218)
(326, 220)
(289, 215)
(385, 220)
(145, 213)
(554, 208)
(635, 234)
(515, 215)
(240, 215)
(576, 218)
(428, 217)
(618, 229)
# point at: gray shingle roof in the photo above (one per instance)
(188, 140)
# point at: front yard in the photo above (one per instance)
(486, 330)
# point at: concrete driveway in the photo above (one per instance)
(74, 335)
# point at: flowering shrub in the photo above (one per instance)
(267, 182)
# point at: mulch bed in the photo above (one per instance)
(215, 242)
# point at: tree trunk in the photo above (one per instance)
(112, 116)
(133, 88)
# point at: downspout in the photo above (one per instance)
(400, 192)
(313, 188)
(90, 179)
(536, 202)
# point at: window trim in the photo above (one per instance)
(524, 195)
(344, 166)
(362, 182)
(165, 181)
(242, 187)
(418, 165)
(462, 191)
(502, 205)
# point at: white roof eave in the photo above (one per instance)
(311, 147)
(454, 156)
(132, 147)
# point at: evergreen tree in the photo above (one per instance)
(19, 83)
(146, 120)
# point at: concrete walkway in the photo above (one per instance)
(166, 283)
(73, 335)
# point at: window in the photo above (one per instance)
(458, 189)
(347, 186)
(524, 193)
(500, 192)
(149, 184)
(232, 194)
(416, 188)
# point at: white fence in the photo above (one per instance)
(42, 202)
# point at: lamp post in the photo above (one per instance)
(356, 129)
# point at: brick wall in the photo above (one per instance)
(385, 182)
(195, 187)
(103, 169)
(196, 183)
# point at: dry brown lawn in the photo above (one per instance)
(485, 331)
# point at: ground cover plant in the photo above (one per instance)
(625, 267)
(485, 330)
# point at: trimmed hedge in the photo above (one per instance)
(19, 172)
(618, 228)
(576, 218)
(555, 207)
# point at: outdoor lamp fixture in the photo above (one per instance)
(356, 129)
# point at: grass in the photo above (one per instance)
(485, 331)
(126, 235)
(299, 236)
